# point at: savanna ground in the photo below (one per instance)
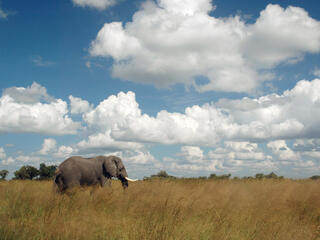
(163, 209)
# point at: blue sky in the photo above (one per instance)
(190, 87)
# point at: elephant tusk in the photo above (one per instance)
(131, 180)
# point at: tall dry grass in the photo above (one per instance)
(175, 209)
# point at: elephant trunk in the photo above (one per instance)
(124, 182)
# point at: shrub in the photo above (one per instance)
(260, 175)
(46, 172)
(221, 177)
(315, 177)
(161, 174)
(271, 175)
(3, 174)
(26, 172)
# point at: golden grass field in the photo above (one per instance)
(163, 209)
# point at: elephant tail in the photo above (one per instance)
(58, 180)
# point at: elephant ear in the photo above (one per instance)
(118, 163)
(110, 167)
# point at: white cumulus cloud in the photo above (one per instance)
(284, 153)
(8, 161)
(237, 155)
(104, 142)
(49, 145)
(292, 114)
(78, 105)
(64, 151)
(191, 154)
(32, 94)
(22, 110)
(228, 157)
(98, 4)
(28, 159)
(170, 42)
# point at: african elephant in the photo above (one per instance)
(79, 171)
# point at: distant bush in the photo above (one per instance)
(26, 172)
(315, 177)
(203, 177)
(271, 175)
(221, 177)
(3, 174)
(161, 174)
(213, 176)
(46, 172)
(248, 178)
(260, 175)
(29, 172)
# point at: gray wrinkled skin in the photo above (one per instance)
(79, 171)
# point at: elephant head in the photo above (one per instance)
(113, 167)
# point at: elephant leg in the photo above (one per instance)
(102, 180)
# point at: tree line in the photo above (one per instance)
(259, 176)
(29, 172)
(47, 172)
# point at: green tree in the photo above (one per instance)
(225, 176)
(26, 172)
(162, 174)
(3, 174)
(203, 177)
(213, 176)
(272, 175)
(260, 175)
(46, 172)
(315, 177)
(221, 177)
